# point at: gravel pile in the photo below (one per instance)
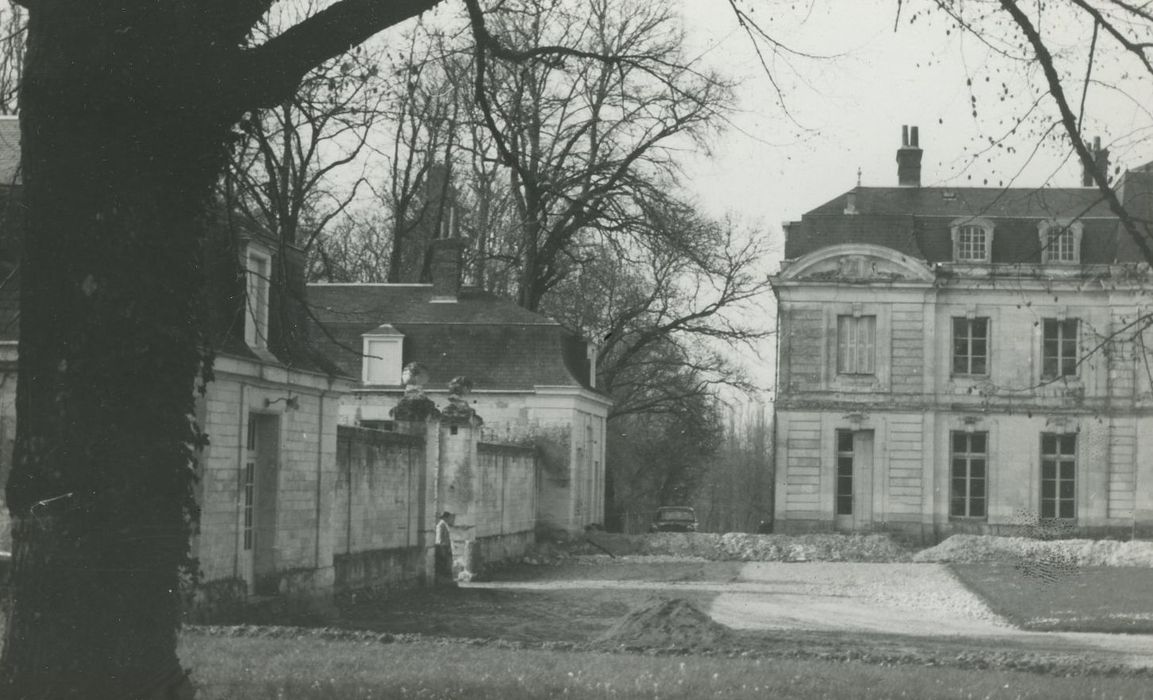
(977, 548)
(740, 546)
(665, 623)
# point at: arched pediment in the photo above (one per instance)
(857, 262)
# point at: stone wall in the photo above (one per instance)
(381, 514)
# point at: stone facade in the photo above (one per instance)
(926, 390)
(264, 528)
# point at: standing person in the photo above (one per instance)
(443, 547)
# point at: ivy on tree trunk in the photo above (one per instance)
(126, 115)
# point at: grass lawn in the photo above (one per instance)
(1097, 599)
(313, 669)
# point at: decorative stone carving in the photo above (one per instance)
(857, 262)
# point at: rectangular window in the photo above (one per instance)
(1059, 348)
(257, 271)
(971, 346)
(972, 244)
(970, 460)
(856, 344)
(844, 504)
(1060, 245)
(1058, 475)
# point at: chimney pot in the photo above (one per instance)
(1100, 164)
(909, 158)
(446, 272)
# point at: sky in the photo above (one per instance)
(845, 111)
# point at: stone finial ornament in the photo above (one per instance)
(415, 406)
(458, 408)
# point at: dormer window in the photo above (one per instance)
(1060, 241)
(257, 271)
(383, 355)
(972, 240)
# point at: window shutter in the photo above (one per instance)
(843, 328)
(868, 344)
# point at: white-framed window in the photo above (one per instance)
(972, 240)
(1060, 241)
(971, 346)
(258, 272)
(968, 472)
(856, 344)
(1058, 348)
(383, 357)
(843, 500)
(1059, 475)
(972, 244)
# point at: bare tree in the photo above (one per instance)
(282, 172)
(669, 308)
(584, 140)
(13, 30)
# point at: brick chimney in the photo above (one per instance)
(446, 272)
(1100, 164)
(909, 158)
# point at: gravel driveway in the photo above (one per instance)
(917, 600)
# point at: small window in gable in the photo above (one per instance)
(383, 356)
(972, 240)
(258, 271)
(1060, 242)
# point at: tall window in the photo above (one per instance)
(972, 244)
(844, 495)
(1060, 242)
(258, 268)
(970, 459)
(1058, 475)
(972, 239)
(1059, 348)
(971, 346)
(856, 344)
(1059, 246)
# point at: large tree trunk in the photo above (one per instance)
(117, 169)
(126, 112)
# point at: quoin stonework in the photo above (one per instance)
(956, 359)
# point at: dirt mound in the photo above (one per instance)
(667, 623)
(982, 548)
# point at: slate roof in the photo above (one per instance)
(991, 202)
(497, 344)
(916, 221)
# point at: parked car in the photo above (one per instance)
(674, 519)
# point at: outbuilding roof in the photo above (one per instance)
(497, 344)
